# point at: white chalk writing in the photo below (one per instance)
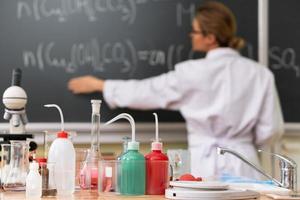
(100, 56)
(284, 58)
(63, 9)
(182, 12)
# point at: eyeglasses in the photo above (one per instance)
(194, 32)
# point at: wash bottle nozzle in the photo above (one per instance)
(133, 145)
(156, 145)
(62, 133)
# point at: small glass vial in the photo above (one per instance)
(33, 182)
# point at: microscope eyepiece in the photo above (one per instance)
(16, 77)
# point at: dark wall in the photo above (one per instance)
(55, 40)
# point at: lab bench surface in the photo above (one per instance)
(87, 195)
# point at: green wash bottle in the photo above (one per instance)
(131, 164)
(132, 171)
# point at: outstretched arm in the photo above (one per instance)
(85, 85)
(164, 91)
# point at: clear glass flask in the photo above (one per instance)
(89, 168)
(14, 166)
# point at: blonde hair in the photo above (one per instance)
(217, 19)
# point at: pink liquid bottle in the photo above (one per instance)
(157, 167)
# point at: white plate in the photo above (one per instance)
(204, 185)
(173, 193)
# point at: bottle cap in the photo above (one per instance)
(156, 146)
(97, 101)
(133, 145)
(62, 134)
(96, 105)
(34, 166)
(41, 160)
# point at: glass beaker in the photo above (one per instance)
(5, 159)
(14, 166)
(89, 171)
(180, 161)
(128, 176)
(80, 157)
(108, 176)
(25, 146)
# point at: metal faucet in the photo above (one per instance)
(288, 168)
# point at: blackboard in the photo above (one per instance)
(55, 40)
(284, 55)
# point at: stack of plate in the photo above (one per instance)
(206, 190)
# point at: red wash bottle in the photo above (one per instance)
(157, 167)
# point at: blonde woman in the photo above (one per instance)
(226, 99)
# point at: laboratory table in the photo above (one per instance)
(87, 195)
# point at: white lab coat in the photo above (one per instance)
(227, 100)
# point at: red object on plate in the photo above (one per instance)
(189, 177)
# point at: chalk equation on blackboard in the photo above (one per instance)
(62, 10)
(125, 55)
(279, 58)
(284, 58)
(99, 56)
(183, 12)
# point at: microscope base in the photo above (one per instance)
(7, 137)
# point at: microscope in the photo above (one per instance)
(15, 99)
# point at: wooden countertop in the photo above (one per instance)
(87, 195)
